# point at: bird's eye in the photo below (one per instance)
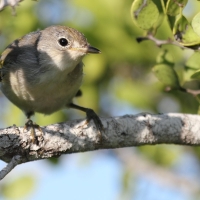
(63, 42)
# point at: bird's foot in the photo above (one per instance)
(33, 126)
(91, 115)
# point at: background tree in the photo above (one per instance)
(119, 81)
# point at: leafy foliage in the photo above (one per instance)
(186, 35)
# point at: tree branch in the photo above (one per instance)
(159, 43)
(11, 165)
(12, 3)
(76, 136)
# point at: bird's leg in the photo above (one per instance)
(91, 115)
(29, 124)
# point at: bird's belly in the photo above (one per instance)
(53, 97)
(43, 97)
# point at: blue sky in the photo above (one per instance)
(76, 177)
(94, 175)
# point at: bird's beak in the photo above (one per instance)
(91, 49)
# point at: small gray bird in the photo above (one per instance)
(42, 71)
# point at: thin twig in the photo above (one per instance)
(182, 5)
(193, 92)
(11, 165)
(189, 91)
(158, 42)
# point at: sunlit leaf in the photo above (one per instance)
(161, 16)
(167, 75)
(192, 65)
(193, 61)
(184, 33)
(196, 24)
(144, 13)
(175, 7)
(196, 75)
(165, 57)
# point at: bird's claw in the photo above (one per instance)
(91, 115)
(33, 126)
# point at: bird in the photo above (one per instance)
(42, 72)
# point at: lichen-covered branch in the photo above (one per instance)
(11, 3)
(76, 136)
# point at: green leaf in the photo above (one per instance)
(196, 75)
(171, 20)
(191, 66)
(161, 17)
(167, 75)
(165, 57)
(175, 7)
(193, 61)
(196, 24)
(144, 13)
(184, 32)
(164, 70)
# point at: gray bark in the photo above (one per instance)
(76, 136)
(12, 3)
(17, 146)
